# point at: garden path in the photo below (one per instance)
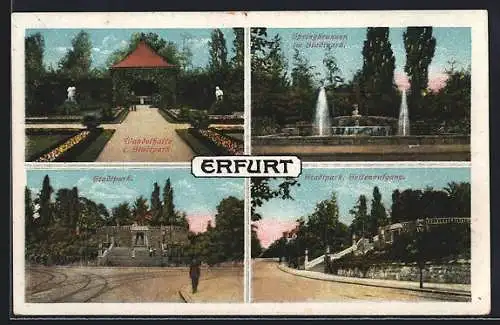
(145, 136)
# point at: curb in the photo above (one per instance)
(185, 296)
(298, 273)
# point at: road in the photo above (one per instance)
(146, 124)
(270, 284)
(116, 284)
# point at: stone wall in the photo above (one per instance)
(440, 273)
(123, 236)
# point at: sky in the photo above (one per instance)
(198, 197)
(106, 41)
(280, 215)
(347, 44)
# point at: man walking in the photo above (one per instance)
(194, 274)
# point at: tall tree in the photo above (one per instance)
(378, 74)
(378, 216)
(218, 64)
(77, 61)
(168, 204)
(45, 203)
(156, 206)
(324, 220)
(332, 68)
(229, 226)
(460, 199)
(121, 214)
(34, 68)
(303, 93)
(29, 211)
(238, 48)
(420, 46)
(359, 224)
(139, 209)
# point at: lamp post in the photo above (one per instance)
(162, 246)
(420, 232)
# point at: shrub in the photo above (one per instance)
(107, 113)
(90, 121)
(93, 105)
(68, 108)
(184, 113)
(199, 120)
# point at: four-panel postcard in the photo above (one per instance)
(259, 163)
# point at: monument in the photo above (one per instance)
(71, 93)
(219, 94)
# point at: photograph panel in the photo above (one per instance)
(133, 95)
(362, 94)
(363, 235)
(132, 235)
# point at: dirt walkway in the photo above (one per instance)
(145, 136)
(270, 284)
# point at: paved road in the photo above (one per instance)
(118, 284)
(143, 125)
(269, 284)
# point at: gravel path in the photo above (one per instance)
(270, 284)
(145, 136)
(126, 284)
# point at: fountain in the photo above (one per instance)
(322, 119)
(404, 120)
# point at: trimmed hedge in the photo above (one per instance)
(196, 144)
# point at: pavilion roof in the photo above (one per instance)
(143, 57)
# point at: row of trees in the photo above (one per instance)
(161, 211)
(195, 85)
(279, 98)
(63, 229)
(322, 228)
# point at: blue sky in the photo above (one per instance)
(312, 191)
(195, 196)
(105, 41)
(451, 43)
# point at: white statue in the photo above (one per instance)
(218, 93)
(71, 93)
(355, 112)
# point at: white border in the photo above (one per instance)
(475, 19)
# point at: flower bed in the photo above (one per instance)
(222, 143)
(55, 153)
(40, 141)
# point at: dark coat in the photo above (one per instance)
(194, 270)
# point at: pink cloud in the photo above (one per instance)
(199, 224)
(270, 230)
(436, 81)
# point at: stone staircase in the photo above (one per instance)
(122, 256)
(362, 246)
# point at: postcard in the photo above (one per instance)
(331, 163)
(118, 95)
(362, 93)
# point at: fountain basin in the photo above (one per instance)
(366, 148)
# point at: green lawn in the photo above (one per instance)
(40, 143)
(94, 149)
